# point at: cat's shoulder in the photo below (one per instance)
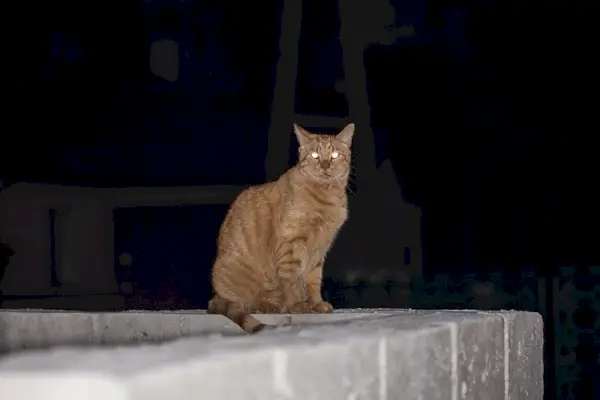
(253, 191)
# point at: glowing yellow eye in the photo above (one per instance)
(314, 155)
(335, 154)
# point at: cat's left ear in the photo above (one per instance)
(345, 136)
(303, 136)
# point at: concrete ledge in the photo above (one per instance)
(101, 302)
(351, 354)
(26, 329)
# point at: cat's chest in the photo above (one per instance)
(323, 216)
(327, 219)
(339, 216)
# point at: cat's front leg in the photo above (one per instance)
(294, 293)
(291, 256)
(314, 283)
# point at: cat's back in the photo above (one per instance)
(254, 202)
(256, 198)
(248, 225)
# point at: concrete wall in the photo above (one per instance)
(352, 354)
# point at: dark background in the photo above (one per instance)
(486, 114)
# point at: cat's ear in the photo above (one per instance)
(303, 136)
(345, 136)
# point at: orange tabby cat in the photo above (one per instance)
(274, 238)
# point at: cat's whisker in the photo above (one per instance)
(349, 188)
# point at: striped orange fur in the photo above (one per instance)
(274, 238)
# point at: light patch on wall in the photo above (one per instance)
(164, 59)
(125, 259)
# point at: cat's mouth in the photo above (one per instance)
(329, 177)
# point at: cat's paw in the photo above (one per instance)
(267, 308)
(301, 308)
(322, 307)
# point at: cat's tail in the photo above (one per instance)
(236, 313)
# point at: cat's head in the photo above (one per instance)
(325, 158)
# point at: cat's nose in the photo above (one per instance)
(325, 164)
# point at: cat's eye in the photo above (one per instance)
(314, 155)
(335, 154)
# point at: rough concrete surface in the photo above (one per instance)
(351, 354)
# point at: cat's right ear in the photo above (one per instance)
(302, 135)
(345, 136)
